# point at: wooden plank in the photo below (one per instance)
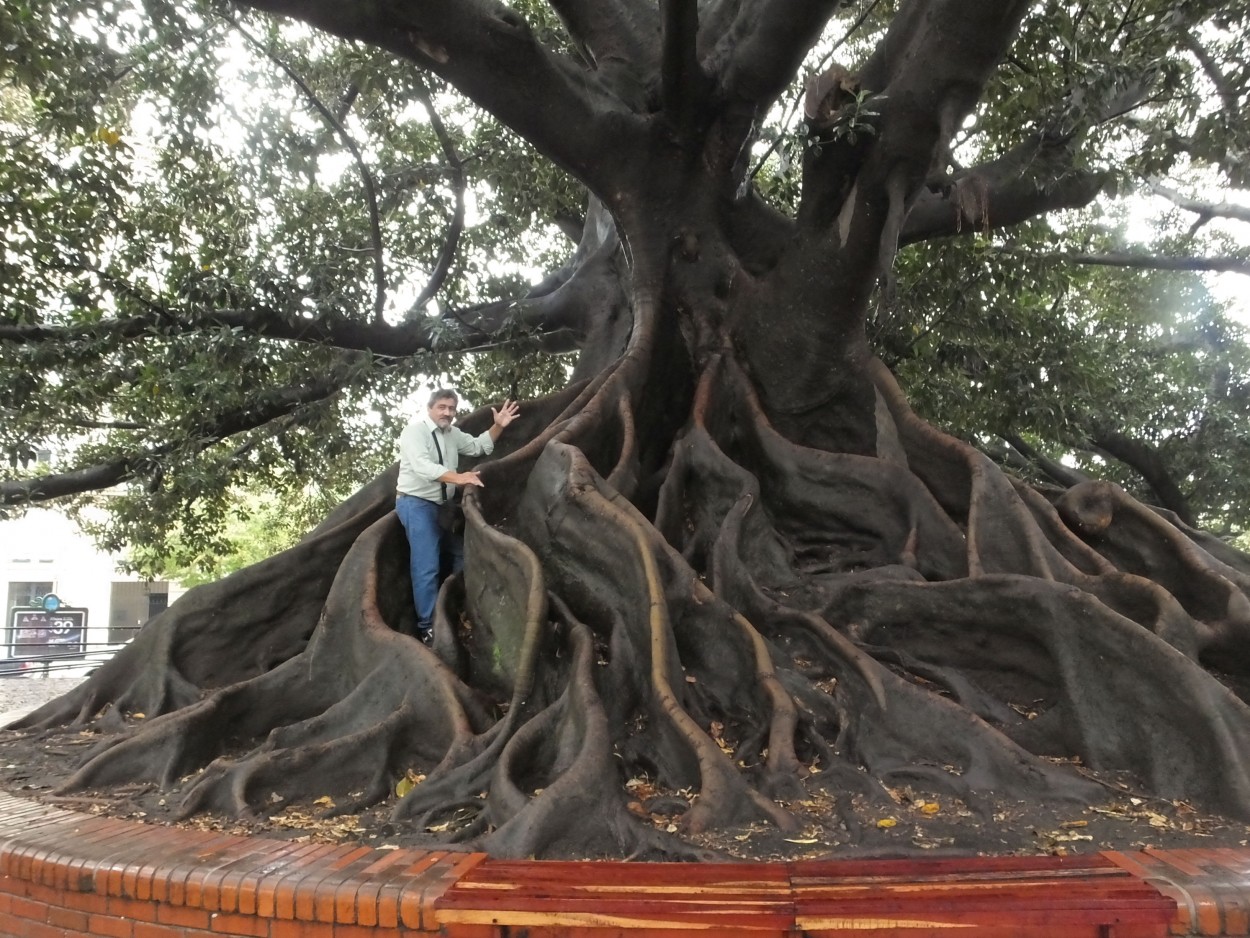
(965, 866)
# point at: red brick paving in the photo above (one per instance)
(65, 874)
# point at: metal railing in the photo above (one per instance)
(52, 662)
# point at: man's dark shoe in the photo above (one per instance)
(426, 636)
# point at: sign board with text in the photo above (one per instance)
(34, 633)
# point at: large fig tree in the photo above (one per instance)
(728, 556)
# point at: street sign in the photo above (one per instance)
(33, 632)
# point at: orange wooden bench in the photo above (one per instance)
(1000, 897)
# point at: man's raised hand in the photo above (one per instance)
(506, 414)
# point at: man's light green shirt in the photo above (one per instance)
(419, 467)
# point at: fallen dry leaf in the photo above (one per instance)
(1066, 836)
(641, 789)
(411, 780)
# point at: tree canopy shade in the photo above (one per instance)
(724, 552)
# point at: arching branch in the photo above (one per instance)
(131, 327)
(109, 425)
(1038, 175)
(383, 339)
(213, 429)
(346, 100)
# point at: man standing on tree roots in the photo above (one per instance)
(429, 453)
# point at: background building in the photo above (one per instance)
(44, 552)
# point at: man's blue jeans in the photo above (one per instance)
(426, 543)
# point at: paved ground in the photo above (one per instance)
(20, 695)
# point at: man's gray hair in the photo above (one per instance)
(442, 394)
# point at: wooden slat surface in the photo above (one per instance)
(980, 897)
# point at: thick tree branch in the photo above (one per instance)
(1145, 461)
(131, 327)
(764, 45)
(931, 87)
(210, 430)
(488, 51)
(912, 44)
(537, 315)
(1034, 177)
(110, 425)
(1235, 265)
(562, 305)
(559, 305)
(77, 481)
(615, 36)
(346, 100)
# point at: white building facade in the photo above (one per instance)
(44, 553)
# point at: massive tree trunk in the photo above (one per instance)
(728, 557)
